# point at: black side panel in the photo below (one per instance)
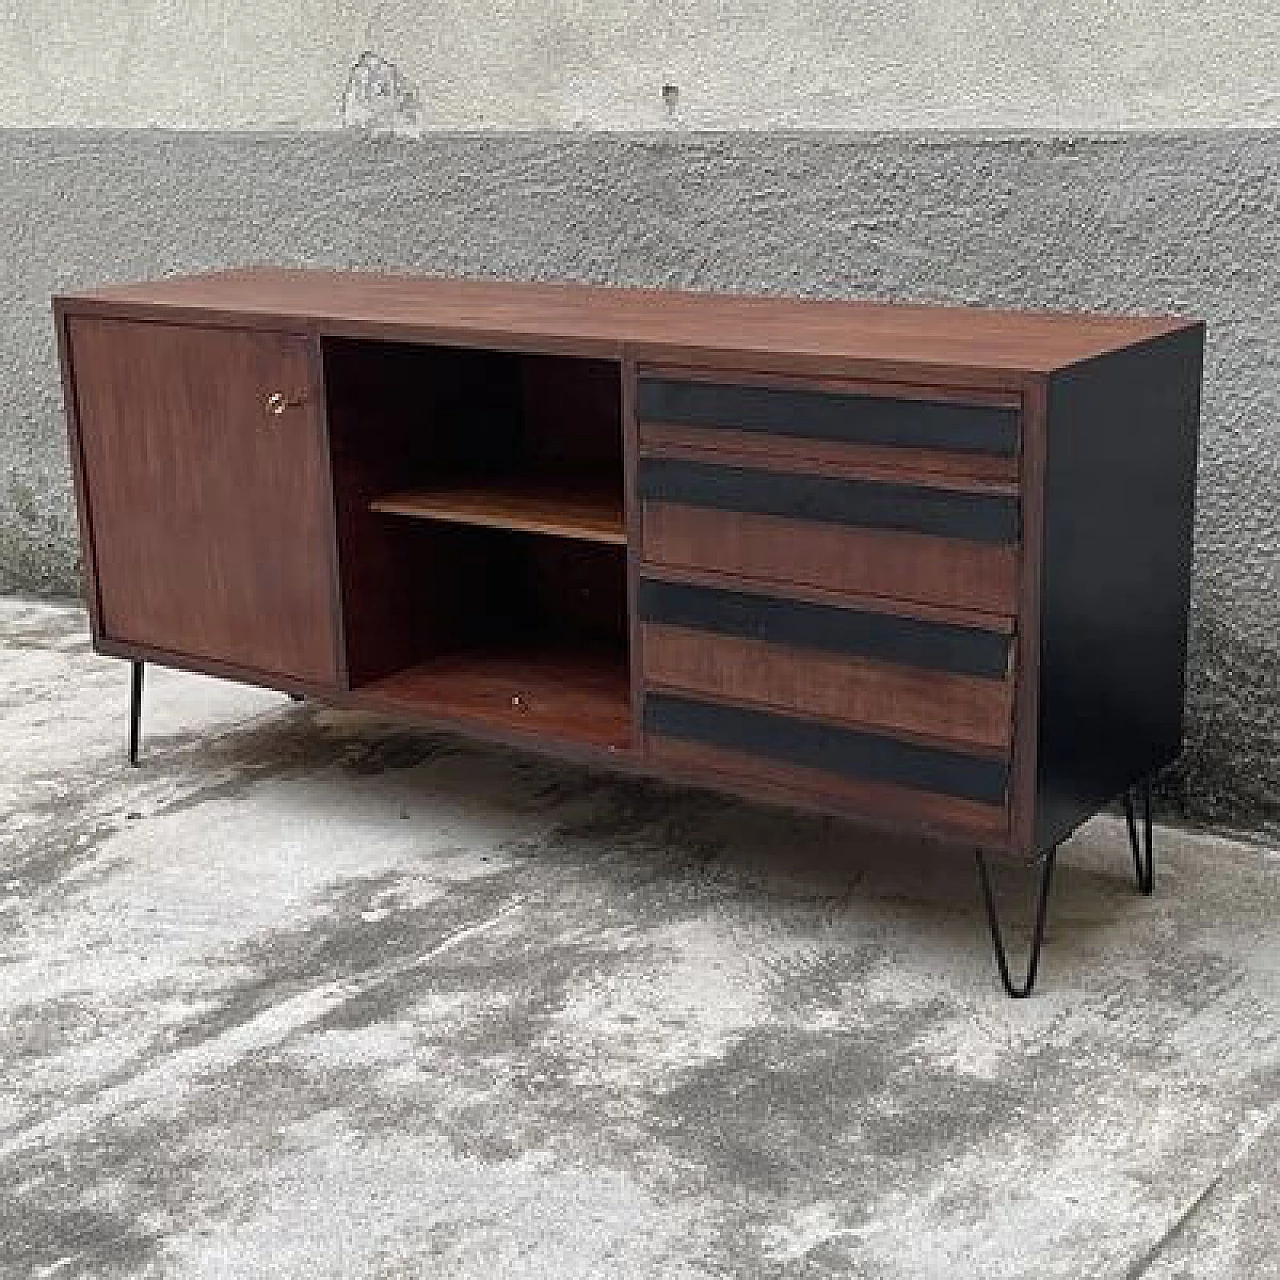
(800, 624)
(976, 517)
(1116, 585)
(840, 752)
(831, 415)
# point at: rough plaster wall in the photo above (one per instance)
(565, 64)
(1186, 223)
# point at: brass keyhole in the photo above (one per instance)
(278, 402)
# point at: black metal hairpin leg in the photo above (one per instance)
(135, 712)
(1037, 932)
(1143, 860)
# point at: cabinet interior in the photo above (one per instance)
(481, 542)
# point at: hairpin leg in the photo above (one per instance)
(1143, 859)
(135, 711)
(1037, 932)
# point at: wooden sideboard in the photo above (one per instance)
(924, 566)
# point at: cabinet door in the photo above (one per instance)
(207, 495)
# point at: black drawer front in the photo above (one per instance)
(801, 624)
(808, 744)
(831, 415)
(974, 517)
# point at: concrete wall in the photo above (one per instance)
(569, 64)
(276, 147)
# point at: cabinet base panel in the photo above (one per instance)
(577, 698)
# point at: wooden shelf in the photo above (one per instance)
(528, 504)
(574, 697)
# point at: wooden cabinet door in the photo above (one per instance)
(207, 502)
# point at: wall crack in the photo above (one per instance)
(380, 99)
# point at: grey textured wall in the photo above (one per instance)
(1189, 223)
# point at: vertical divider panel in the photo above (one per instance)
(319, 398)
(631, 515)
(88, 557)
(1026, 705)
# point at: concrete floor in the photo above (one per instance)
(307, 995)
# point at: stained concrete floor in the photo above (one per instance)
(307, 995)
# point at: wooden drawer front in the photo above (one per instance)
(796, 758)
(830, 415)
(693, 762)
(938, 680)
(906, 541)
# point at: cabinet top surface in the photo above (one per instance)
(651, 324)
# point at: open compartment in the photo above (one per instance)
(480, 536)
(494, 438)
(525, 633)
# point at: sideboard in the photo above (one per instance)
(927, 567)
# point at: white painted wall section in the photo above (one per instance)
(578, 64)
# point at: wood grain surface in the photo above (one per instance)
(876, 562)
(948, 816)
(529, 504)
(975, 472)
(933, 706)
(211, 516)
(601, 321)
(556, 694)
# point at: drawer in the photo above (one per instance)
(907, 541)
(908, 716)
(944, 681)
(830, 414)
(800, 760)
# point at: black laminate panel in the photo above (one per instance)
(841, 752)
(974, 517)
(831, 415)
(1119, 509)
(801, 624)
